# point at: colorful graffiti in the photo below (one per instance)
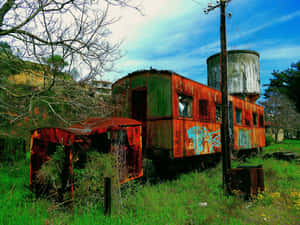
(244, 140)
(204, 141)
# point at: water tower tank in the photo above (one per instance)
(243, 73)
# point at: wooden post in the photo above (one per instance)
(107, 196)
(225, 137)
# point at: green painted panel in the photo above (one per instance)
(159, 95)
(120, 93)
(138, 81)
(159, 134)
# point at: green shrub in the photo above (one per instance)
(269, 140)
(12, 149)
(89, 181)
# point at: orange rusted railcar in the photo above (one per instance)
(182, 118)
(120, 136)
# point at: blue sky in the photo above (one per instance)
(176, 35)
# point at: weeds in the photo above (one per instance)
(193, 198)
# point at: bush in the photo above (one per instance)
(269, 140)
(89, 181)
(12, 149)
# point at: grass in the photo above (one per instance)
(286, 145)
(193, 198)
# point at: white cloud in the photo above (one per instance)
(256, 28)
(291, 52)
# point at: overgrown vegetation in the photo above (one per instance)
(282, 103)
(193, 198)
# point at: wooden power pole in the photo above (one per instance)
(225, 136)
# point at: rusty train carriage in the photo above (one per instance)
(182, 118)
(103, 134)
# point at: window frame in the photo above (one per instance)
(190, 115)
(240, 117)
(218, 119)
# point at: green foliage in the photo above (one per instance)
(269, 140)
(11, 149)
(56, 62)
(51, 171)
(193, 198)
(286, 82)
(89, 181)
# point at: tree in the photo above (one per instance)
(281, 112)
(51, 38)
(287, 82)
(75, 29)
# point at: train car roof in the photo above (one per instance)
(171, 73)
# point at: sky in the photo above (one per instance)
(177, 35)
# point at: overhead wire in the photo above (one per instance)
(266, 24)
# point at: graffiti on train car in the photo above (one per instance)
(244, 140)
(204, 141)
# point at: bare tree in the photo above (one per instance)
(75, 29)
(281, 112)
(39, 30)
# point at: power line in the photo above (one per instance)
(280, 5)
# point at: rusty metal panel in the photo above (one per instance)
(165, 129)
(249, 180)
(178, 138)
(139, 81)
(202, 138)
(193, 138)
(159, 96)
(159, 134)
(120, 94)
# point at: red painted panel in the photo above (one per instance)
(195, 138)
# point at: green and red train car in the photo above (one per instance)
(182, 118)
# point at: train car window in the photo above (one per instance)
(204, 110)
(261, 121)
(254, 116)
(238, 115)
(185, 105)
(218, 113)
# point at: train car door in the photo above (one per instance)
(139, 110)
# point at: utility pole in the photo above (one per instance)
(225, 137)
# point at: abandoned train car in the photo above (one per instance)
(120, 136)
(182, 118)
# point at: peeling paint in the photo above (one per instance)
(243, 72)
(204, 141)
(244, 139)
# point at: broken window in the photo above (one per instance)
(185, 105)
(238, 116)
(254, 116)
(218, 113)
(261, 121)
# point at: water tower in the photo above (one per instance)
(243, 73)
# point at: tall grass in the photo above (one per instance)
(193, 198)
